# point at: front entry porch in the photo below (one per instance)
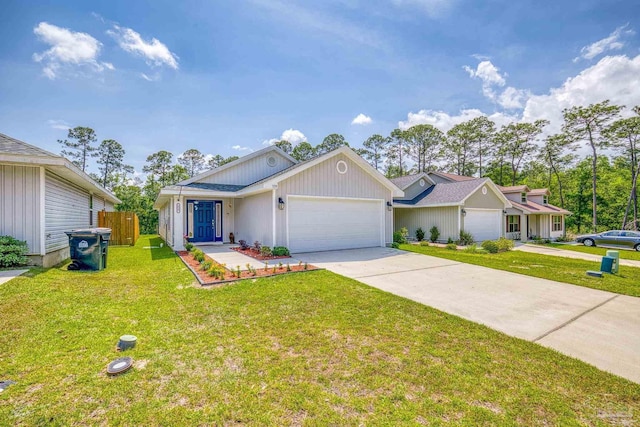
(525, 227)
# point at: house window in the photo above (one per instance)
(557, 223)
(545, 200)
(513, 223)
(523, 197)
(90, 210)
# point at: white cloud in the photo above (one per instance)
(433, 8)
(445, 121)
(68, 49)
(240, 148)
(616, 78)
(361, 119)
(294, 136)
(154, 52)
(512, 98)
(59, 124)
(153, 78)
(612, 42)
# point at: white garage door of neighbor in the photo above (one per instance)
(323, 224)
(483, 224)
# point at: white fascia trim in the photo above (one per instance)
(496, 191)
(266, 185)
(238, 162)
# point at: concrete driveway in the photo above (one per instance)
(601, 328)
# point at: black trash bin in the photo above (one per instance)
(89, 248)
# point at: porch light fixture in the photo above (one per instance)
(504, 211)
(280, 203)
(464, 213)
(389, 206)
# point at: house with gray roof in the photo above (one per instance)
(42, 195)
(475, 205)
(334, 201)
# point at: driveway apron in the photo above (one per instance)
(600, 328)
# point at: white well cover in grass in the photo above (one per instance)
(321, 224)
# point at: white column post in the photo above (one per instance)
(274, 210)
(178, 224)
(524, 230)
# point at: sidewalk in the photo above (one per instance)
(546, 250)
(7, 275)
(225, 255)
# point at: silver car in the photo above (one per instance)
(628, 239)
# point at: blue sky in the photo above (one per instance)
(226, 77)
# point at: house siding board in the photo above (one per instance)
(323, 180)
(66, 208)
(414, 189)
(438, 179)
(484, 201)
(253, 218)
(251, 171)
(445, 218)
(20, 204)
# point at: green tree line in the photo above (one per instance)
(600, 189)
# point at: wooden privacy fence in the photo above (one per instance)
(124, 226)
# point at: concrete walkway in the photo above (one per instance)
(7, 275)
(225, 255)
(600, 328)
(546, 250)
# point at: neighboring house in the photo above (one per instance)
(452, 203)
(531, 214)
(487, 211)
(42, 195)
(334, 201)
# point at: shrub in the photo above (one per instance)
(206, 265)
(419, 234)
(256, 246)
(280, 251)
(198, 255)
(434, 234)
(243, 245)
(452, 246)
(465, 238)
(472, 249)
(405, 233)
(449, 241)
(490, 246)
(265, 251)
(188, 246)
(399, 237)
(504, 245)
(395, 245)
(423, 243)
(13, 252)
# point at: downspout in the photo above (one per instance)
(43, 212)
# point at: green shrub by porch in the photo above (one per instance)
(13, 252)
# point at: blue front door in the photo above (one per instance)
(202, 221)
(207, 220)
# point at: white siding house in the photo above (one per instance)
(334, 201)
(42, 196)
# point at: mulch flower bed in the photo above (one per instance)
(230, 276)
(256, 255)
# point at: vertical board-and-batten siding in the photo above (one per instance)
(445, 218)
(20, 204)
(66, 208)
(484, 201)
(253, 218)
(250, 171)
(323, 180)
(415, 189)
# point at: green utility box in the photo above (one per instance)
(89, 248)
(607, 264)
(616, 263)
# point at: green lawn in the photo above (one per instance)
(560, 269)
(313, 348)
(624, 253)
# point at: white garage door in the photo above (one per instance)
(322, 224)
(483, 224)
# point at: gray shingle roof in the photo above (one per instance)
(451, 193)
(403, 181)
(10, 145)
(215, 187)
